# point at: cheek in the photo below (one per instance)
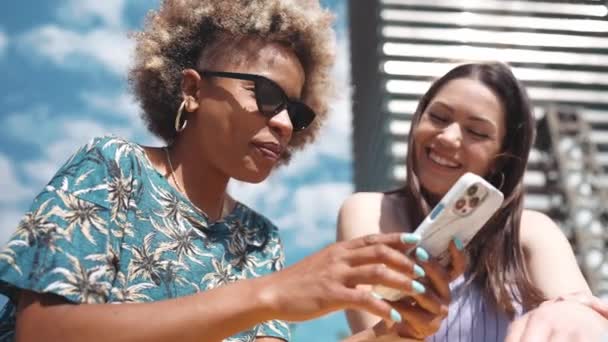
(481, 158)
(422, 132)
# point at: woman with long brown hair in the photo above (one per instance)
(477, 118)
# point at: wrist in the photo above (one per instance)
(266, 297)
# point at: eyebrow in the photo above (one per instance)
(472, 117)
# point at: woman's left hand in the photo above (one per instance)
(557, 321)
(424, 313)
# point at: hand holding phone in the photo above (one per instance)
(461, 213)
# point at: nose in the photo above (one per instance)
(450, 136)
(281, 123)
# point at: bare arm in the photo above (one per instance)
(552, 268)
(359, 216)
(209, 316)
(319, 284)
(551, 263)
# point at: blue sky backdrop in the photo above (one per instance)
(63, 65)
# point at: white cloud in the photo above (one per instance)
(303, 161)
(313, 212)
(9, 219)
(12, 188)
(266, 197)
(73, 134)
(335, 139)
(33, 120)
(110, 12)
(71, 49)
(3, 42)
(308, 212)
(57, 136)
(123, 105)
(14, 193)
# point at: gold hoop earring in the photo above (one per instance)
(179, 126)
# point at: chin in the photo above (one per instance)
(435, 187)
(252, 176)
(251, 170)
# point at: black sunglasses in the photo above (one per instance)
(271, 99)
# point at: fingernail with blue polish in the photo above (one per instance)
(395, 316)
(417, 287)
(377, 296)
(410, 238)
(421, 254)
(419, 271)
(458, 243)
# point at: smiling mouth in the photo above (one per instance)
(441, 161)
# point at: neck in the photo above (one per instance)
(203, 183)
(431, 199)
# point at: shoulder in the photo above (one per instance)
(93, 166)
(114, 148)
(252, 219)
(538, 229)
(366, 213)
(534, 222)
(100, 151)
(106, 144)
(361, 200)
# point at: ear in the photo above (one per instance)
(191, 81)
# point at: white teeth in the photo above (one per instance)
(442, 161)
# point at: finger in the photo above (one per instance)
(458, 258)
(382, 328)
(405, 329)
(421, 320)
(367, 301)
(399, 241)
(432, 303)
(599, 305)
(516, 329)
(380, 274)
(385, 255)
(437, 275)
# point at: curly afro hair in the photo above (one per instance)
(176, 35)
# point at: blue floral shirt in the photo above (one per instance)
(109, 228)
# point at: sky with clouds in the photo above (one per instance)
(64, 66)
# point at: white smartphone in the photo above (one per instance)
(461, 213)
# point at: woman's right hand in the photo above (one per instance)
(425, 312)
(326, 281)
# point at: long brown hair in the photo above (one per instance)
(497, 262)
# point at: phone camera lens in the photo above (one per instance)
(473, 202)
(472, 190)
(460, 203)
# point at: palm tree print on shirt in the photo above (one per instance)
(109, 228)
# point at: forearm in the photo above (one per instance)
(209, 316)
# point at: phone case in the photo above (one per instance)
(461, 213)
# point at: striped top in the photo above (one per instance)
(471, 317)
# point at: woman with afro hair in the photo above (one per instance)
(233, 87)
